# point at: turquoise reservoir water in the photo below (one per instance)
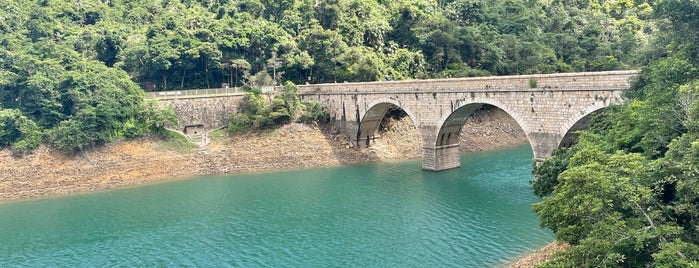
(371, 215)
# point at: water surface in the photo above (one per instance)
(370, 215)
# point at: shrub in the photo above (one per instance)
(313, 111)
(532, 82)
(20, 132)
(239, 122)
(286, 107)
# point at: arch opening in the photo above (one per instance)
(451, 128)
(479, 127)
(370, 126)
(389, 132)
(445, 148)
(571, 135)
(490, 128)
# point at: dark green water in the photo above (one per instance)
(373, 215)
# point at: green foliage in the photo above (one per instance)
(152, 118)
(19, 131)
(313, 111)
(239, 122)
(255, 112)
(71, 135)
(532, 82)
(547, 172)
(196, 44)
(627, 194)
(290, 98)
(76, 102)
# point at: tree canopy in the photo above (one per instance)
(73, 72)
(627, 194)
(195, 43)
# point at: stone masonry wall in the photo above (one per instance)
(210, 111)
(545, 106)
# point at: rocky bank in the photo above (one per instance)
(125, 163)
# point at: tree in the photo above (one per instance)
(325, 46)
(627, 195)
(18, 131)
(236, 66)
(363, 64)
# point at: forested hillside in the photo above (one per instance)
(627, 195)
(72, 72)
(195, 44)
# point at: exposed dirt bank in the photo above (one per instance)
(126, 163)
(539, 256)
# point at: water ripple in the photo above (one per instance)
(375, 215)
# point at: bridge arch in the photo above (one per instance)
(371, 119)
(450, 125)
(579, 122)
(441, 145)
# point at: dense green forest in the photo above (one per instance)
(627, 194)
(201, 44)
(73, 74)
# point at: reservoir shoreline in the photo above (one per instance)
(47, 173)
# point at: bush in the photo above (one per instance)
(313, 111)
(532, 82)
(18, 131)
(239, 122)
(546, 173)
(69, 136)
(291, 98)
(286, 107)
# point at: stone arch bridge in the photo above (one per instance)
(547, 107)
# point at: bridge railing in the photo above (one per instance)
(194, 92)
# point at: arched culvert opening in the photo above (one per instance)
(490, 128)
(397, 137)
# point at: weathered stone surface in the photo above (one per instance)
(439, 107)
(211, 111)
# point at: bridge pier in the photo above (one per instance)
(441, 157)
(543, 144)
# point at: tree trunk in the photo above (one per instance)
(206, 74)
(182, 81)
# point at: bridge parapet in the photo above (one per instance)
(588, 81)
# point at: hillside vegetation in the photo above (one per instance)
(627, 194)
(72, 73)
